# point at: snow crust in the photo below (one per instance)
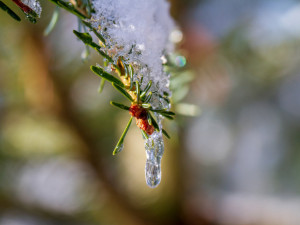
(34, 5)
(138, 31)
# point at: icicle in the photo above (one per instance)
(152, 173)
(154, 146)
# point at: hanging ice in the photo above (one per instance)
(154, 146)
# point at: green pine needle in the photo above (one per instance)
(148, 98)
(154, 123)
(94, 31)
(119, 146)
(168, 117)
(122, 91)
(145, 135)
(87, 39)
(70, 8)
(146, 105)
(166, 134)
(119, 105)
(100, 72)
(163, 112)
(148, 86)
(137, 90)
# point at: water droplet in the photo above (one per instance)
(108, 68)
(154, 150)
(85, 55)
(163, 59)
(30, 18)
(180, 61)
(153, 173)
(119, 148)
(176, 36)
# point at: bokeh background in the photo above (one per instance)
(236, 163)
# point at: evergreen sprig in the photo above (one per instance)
(122, 76)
